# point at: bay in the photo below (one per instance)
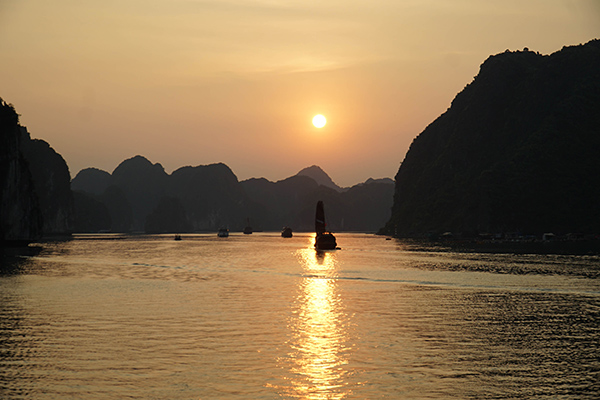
(263, 317)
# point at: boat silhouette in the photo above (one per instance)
(286, 232)
(324, 240)
(223, 232)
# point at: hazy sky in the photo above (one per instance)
(190, 82)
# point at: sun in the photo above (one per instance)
(319, 121)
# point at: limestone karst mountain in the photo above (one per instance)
(318, 175)
(517, 151)
(36, 198)
(20, 213)
(206, 197)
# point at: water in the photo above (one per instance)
(262, 317)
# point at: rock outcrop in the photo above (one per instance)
(517, 151)
(91, 180)
(143, 184)
(52, 182)
(318, 175)
(93, 186)
(20, 214)
(91, 214)
(211, 195)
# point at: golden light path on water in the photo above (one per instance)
(319, 330)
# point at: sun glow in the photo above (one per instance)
(319, 121)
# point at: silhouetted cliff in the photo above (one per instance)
(119, 208)
(169, 216)
(211, 196)
(280, 202)
(368, 204)
(92, 181)
(20, 214)
(52, 182)
(35, 183)
(143, 184)
(517, 151)
(91, 214)
(94, 186)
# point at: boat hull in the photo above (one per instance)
(325, 241)
(223, 232)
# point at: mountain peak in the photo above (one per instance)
(387, 181)
(137, 164)
(315, 172)
(91, 180)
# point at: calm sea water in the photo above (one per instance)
(263, 317)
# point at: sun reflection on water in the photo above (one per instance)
(319, 332)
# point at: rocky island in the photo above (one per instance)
(517, 152)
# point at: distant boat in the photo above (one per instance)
(223, 232)
(248, 228)
(324, 239)
(177, 237)
(286, 232)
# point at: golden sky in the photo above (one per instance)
(190, 82)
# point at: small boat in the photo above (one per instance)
(177, 237)
(223, 232)
(324, 239)
(286, 232)
(248, 228)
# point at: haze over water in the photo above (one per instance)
(262, 317)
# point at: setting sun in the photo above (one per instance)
(319, 121)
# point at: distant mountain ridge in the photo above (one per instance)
(207, 197)
(517, 151)
(318, 175)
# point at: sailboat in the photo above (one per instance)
(248, 228)
(324, 239)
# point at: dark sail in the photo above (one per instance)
(323, 240)
(320, 225)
